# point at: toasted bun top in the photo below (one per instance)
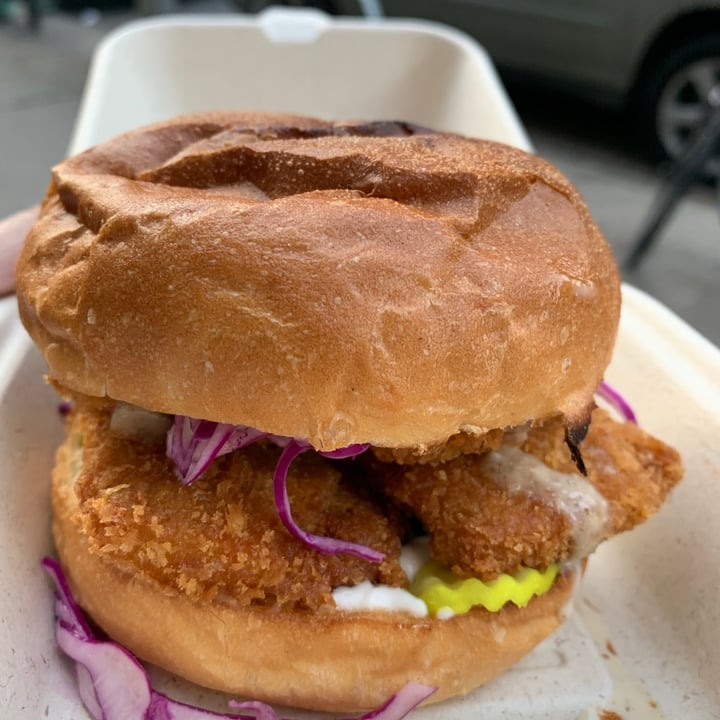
(336, 282)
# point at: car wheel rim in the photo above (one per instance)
(685, 103)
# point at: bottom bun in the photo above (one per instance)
(328, 660)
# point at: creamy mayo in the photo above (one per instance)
(414, 555)
(366, 596)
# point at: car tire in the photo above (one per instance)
(675, 96)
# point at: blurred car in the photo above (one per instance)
(660, 59)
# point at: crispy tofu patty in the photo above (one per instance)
(480, 528)
(221, 538)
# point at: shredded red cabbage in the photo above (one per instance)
(617, 401)
(396, 708)
(113, 685)
(193, 444)
(329, 546)
(64, 407)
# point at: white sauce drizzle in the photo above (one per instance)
(574, 495)
(444, 613)
(366, 596)
(414, 555)
(136, 422)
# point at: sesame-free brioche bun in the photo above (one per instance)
(336, 282)
(329, 659)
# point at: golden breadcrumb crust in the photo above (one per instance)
(221, 538)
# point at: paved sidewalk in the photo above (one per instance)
(41, 80)
(595, 151)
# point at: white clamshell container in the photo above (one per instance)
(644, 638)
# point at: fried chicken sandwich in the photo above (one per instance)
(333, 426)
